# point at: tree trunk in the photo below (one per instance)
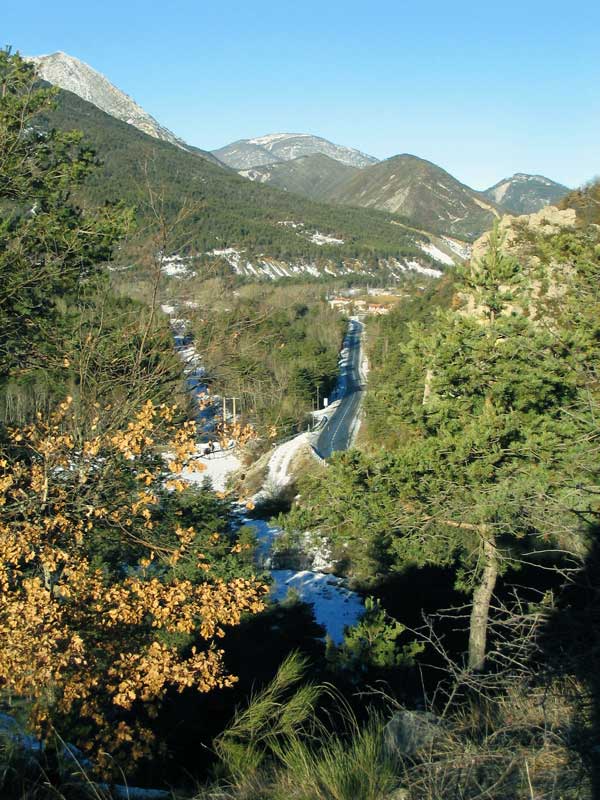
(427, 387)
(481, 604)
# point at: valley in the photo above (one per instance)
(298, 456)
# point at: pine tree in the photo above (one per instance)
(47, 244)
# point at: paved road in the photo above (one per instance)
(338, 430)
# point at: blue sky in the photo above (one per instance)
(483, 90)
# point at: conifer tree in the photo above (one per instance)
(47, 244)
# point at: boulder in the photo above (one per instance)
(409, 732)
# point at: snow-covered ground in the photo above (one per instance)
(176, 267)
(430, 271)
(278, 470)
(218, 466)
(462, 249)
(323, 238)
(436, 253)
(269, 268)
(334, 605)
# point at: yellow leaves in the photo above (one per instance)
(146, 477)
(176, 485)
(77, 639)
(236, 434)
(167, 413)
(91, 448)
(250, 505)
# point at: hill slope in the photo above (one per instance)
(313, 176)
(73, 75)
(242, 222)
(421, 191)
(247, 153)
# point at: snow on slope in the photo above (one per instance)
(278, 475)
(436, 253)
(334, 605)
(262, 150)
(218, 466)
(269, 268)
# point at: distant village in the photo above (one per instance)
(374, 301)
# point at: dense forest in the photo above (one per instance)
(140, 646)
(275, 349)
(224, 209)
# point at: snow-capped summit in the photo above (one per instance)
(525, 194)
(67, 72)
(274, 147)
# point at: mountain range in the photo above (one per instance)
(240, 227)
(297, 196)
(275, 147)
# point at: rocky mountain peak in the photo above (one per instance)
(69, 73)
(524, 194)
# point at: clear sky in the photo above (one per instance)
(482, 89)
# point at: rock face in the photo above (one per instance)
(542, 281)
(409, 732)
(67, 72)
(525, 194)
(274, 147)
(546, 222)
(425, 193)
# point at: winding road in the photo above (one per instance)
(338, 430)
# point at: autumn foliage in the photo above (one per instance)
(97, 648)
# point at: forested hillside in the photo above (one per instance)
(222, 209)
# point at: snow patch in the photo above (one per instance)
(436, 253)
(335, 606)
(323, 238)
(218, 466)
(462, 249)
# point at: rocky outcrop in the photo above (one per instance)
(526, 238)
(519, 232)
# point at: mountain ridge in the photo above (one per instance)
(523, 193)
(250, 229)
(421, 191)
(74, 75)
(259, 151)
(312, 176)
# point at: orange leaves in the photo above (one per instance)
(136, 438)
(78, 639)
(235, 433)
